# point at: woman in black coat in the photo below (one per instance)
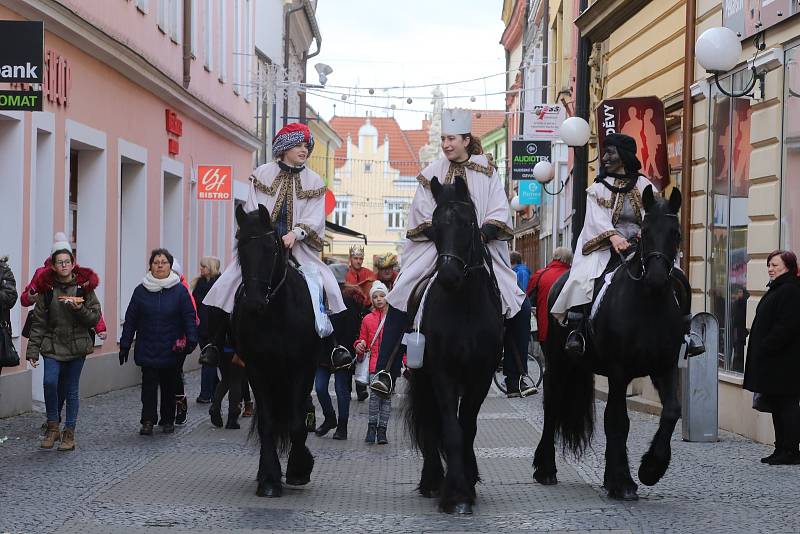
(773, 356)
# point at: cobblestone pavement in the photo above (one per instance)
(201, 479)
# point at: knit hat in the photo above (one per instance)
(60, 242)
(626, 146)
(290, 136)
(339, 272)
(378, 287)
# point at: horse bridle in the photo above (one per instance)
(644, 259)
(445, 257)
(271, 291)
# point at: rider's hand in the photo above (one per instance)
(619, 243)
(289, 240)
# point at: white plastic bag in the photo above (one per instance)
(362, 370)
(314, 283)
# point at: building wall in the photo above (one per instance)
(132, 196)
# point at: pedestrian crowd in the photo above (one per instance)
(165, 321)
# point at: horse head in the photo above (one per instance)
(260, 256)
(661, 237)
(456, 232)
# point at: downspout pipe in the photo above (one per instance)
(187, 44)
(688, 125)
(580, 161)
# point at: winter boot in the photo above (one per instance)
(372, 429)
(216, 417)
(51, 435)
(67, 440)
(327, 425)
(382, 436)
(248, 409)
(147, 429)
(341, 431)
(181, 409)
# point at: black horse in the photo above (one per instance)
(637, 331)
(273, 328)
(463, 326)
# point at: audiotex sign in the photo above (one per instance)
(524, 157)
(21, 61)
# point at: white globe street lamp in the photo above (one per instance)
(515, 205)
(718, 51)
(543, 172)
(575, 131)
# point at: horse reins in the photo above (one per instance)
(644, 260)
(271, 291)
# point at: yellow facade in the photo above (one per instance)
(325, 144)
(373, 197)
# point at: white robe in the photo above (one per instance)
(491, 203)
(307, 206)
(593, 250)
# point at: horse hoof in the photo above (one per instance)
(429, 493)
(271, 491)
(652, 469)
(461, 508)
(298, 481)
(545, 480)
(625, 494)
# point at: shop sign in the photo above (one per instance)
(749, 17)
(643, 119)
(543, 121)
(214, 182)
(530, 193)
(174, 127)
(21, 100)
(525, 154)
(21, 51)
(57, 79)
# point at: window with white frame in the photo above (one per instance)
(396, 210)
(223, 42)
(141, 5)
(161, 15)
(341, 213)
(237, 37)
(208, 34)
(169, 18)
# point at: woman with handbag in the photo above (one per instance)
(61, 332)
(772, 369)
(368, 347)
(8, 297)
(209, 274)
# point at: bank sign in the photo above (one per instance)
(21, 61)
(524, 157)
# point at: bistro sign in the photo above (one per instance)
(21, 61)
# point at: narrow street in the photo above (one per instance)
(201, 479)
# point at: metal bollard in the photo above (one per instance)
(699, 384)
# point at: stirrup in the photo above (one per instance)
(209, 355)
(576, 334)
(694, 344)
(382, 383)
(525, 387)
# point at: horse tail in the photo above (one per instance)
(423, 420)
(569, 387)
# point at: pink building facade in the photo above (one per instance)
(112, 159)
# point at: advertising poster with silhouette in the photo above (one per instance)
(749, 17)
(643, 119)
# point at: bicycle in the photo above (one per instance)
(536, 365)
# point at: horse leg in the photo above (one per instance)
(617, 480)
(456, 495)
(301, 461)
(269, 467)
(656, 460)
(428, 430)
(544, 460)
(471, 402)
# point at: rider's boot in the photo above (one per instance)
(693, 340)
(217, 330)
(576, 339)
(394, 327)
(694, 343)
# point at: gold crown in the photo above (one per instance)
(357, 250)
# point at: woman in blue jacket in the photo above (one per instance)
(159, 314)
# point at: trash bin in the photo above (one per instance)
(699, 384)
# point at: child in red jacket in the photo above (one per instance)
(368, 345)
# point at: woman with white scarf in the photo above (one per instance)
(159, 314)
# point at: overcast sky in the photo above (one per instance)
(372, 44)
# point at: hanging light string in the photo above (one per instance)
(427, 97)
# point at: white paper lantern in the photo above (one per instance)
(718, 49)
(575, 131)
(515, 205)
(543, 172)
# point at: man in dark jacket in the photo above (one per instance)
(773, 356)
(8, 295)
(159, 314)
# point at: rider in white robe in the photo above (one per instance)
(420, 255)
